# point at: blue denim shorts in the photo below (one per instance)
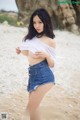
(39, 74)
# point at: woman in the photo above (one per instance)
(39, 47)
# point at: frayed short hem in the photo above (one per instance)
(39, 85)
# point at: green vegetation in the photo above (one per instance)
(11, 20)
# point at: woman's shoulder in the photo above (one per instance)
(52, 42)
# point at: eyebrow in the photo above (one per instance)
(38, 21)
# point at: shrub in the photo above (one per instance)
(9, 19)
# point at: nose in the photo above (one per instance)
(37, 25)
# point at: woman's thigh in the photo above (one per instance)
(35, 97)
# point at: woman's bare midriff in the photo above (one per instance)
(33, 59)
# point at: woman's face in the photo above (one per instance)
(38, 24)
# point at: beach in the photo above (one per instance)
(62, 102)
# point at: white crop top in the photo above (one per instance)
(35, 45)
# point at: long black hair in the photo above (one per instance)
(48, 27)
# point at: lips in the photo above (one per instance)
(38, 29)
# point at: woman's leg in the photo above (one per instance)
(35, 98)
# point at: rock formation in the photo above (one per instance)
(65, 14)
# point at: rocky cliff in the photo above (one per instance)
(65, 14)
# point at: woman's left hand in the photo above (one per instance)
(41, 54)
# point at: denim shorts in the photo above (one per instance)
(39, 74)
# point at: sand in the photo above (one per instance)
(63, 101)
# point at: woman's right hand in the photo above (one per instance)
(18, 51)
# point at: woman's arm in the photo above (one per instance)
(41, 54)
(45, 55)
(50, 60)
(24, 52)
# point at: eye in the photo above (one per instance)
(40, 21)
